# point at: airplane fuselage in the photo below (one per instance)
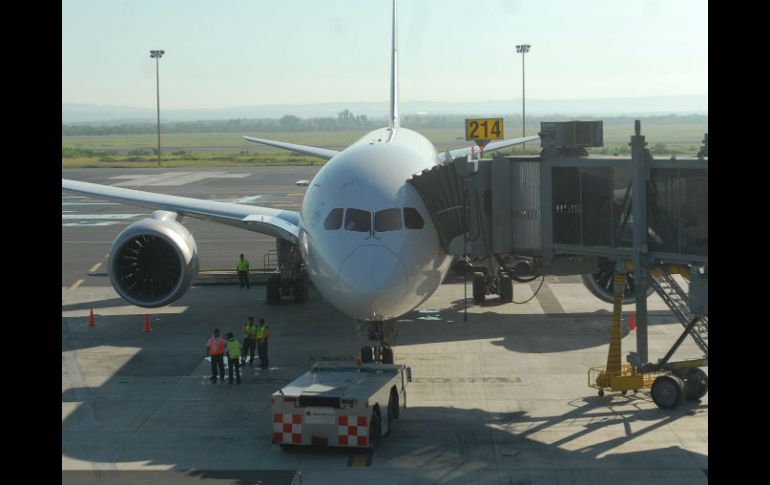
(368, 242)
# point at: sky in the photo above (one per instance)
(265, 52)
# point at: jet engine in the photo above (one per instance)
(601, 284)
(153, 261)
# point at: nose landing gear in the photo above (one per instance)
(382, 336)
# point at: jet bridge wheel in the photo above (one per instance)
(506, 289)
(667, 391)
(479, 287)
(696, 384)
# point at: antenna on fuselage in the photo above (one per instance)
(394, 121)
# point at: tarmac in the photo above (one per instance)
(499, 398)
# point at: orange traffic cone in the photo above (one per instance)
(147, 327)
(632, 322)
(91, 319)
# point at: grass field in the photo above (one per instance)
(231, 150)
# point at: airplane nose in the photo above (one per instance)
(373, 281)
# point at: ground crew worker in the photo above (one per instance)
(249, 340)
(233, 358)
(263, 332)
(243, 272)
(216, 349)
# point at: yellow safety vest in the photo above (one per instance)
(261, 333)
(233, 349)
(243, 265)
(250, 331)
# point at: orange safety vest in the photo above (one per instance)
(220, 346)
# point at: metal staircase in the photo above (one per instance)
(679, 303)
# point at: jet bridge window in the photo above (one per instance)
(333, 220)
(358, 220)
(387, 220)
(412, 218)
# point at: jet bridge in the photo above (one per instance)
(564, 212)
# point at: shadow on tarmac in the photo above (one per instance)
(157, 417)
(449, 445)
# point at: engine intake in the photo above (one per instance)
(153, 261)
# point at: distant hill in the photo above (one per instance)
(649, 106)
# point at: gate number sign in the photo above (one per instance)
(484, 129)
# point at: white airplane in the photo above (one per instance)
(365, 236)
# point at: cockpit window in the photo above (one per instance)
(387, 220)
(412, 218)
(358, 220)
(334, 219)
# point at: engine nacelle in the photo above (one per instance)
(602, 286)
(153, 261)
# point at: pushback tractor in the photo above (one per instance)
(340, 404)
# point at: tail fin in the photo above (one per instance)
(394, 118)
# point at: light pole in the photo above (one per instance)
(523, 49)
(157, 55)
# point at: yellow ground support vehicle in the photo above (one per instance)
(627, 380)
(670, 383)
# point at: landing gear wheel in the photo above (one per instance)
(667, 391)
(274, 290)
(506, 289)
(387, 355)
(367, 355)
(479, 287)
(696, 384)
(300, 290)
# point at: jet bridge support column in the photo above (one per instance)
(641, 170)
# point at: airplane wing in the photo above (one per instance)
(272, 222)
(304, 149)
(495, 145)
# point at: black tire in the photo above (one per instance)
(506, 289)
(696, 384)
(273, 290)
(387, 355)
(479, 287)
(392, 410)
(601, 393)
(300, 290)
(667, 391)
(459, 267)
(374, 429)
(367, 355)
